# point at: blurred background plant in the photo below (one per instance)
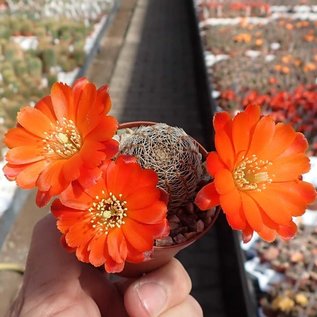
(269, 58)
(39, 41)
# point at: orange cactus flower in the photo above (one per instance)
(289, 26)
(117, 219)
(287, 59)
(242, 38)
(65, 137)
(259, 42)
(256, 168)
(309, 37)
(309, 67)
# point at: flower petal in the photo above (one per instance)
(207, 197)
(289, 168)
(75, 197)
(287, 232)
(232, 206)
(224, 148)
(134, 255)
(262, 135)
(128, 177)
(68, 220)
(138, 235)
(253, 112)
(42, 198)
(299, 145)
(34, 121)
(79, 233)
(78, 88)
(247, 234)
(103, 100)
(274, 208)
(111, 148)
(144, 197)
(224, 182)
(282, 139)
(86, 119)
(59, 210)
(220, 120)
(89, 176)
(104, 130)
(24, 154)
(252, 212)
(92, 153)
(241, 132)
(149, 215)
(295, 195)
(29, 175)
(11, 171)
(112, 266)
(52, 177)
(62, 101)
(45, 105)
(71, 167)
(96, 250)
(117, 246)
(267, 234)
(19, 137)
(214, 163)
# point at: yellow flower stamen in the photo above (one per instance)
(252, 174)
(108, 212)
(64, 140)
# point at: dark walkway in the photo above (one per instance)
(148, 53)
(155, 80)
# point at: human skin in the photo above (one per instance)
(57, 284)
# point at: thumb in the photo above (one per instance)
(156, 292)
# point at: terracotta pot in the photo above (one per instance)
(162, 254)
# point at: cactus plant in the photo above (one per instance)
(35, 66)
(8, 76)
(20, 68)
(49, 59)
(79, 56)
(172, 154)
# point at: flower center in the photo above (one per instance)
(64, 141)
(108, 213)
(252, 174)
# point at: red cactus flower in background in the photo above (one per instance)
(228, 95)
(281, 100)
(65, 137)
(253, 97)
(257, 168)
(115, 220)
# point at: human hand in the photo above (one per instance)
(57, 284)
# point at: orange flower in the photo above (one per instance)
(289, 26)
(65, 137)
(309, 67)
(115, 220)
(256, 170)
(258, 42)
(309, 37)
(242, 38)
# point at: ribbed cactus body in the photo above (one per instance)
(172, 154)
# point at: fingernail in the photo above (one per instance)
(152, 296)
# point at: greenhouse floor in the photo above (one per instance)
(148, 59)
